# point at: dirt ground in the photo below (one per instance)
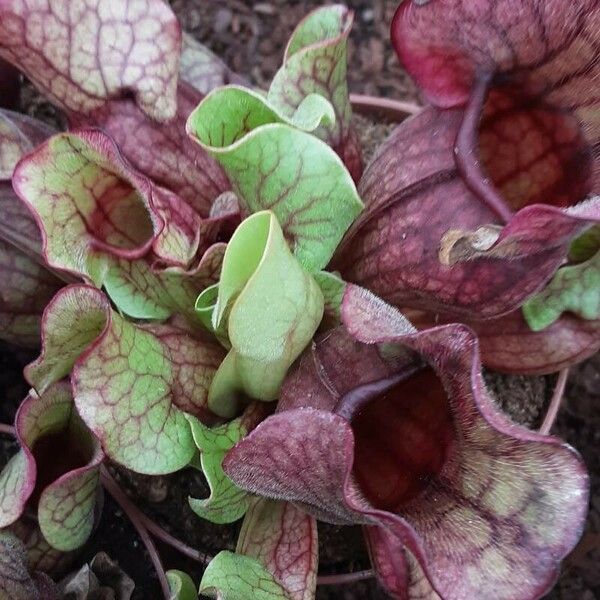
(251, 37)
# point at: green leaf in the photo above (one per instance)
(232, 576)
(144, 293)
(284, 538)
(333, 288)
(227, 503)
(67, 487)
(181, 585)
(274, 164)
(94, 207)
(574, 289)
(132, 384)
(315, 63)
(272, 307)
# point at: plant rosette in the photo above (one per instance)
(189, 241)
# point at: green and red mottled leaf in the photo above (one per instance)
(315, 62)
(132, 384)
(56, 470)
(163, 151)
(274, 164)
(574, 289)
(456, 525)
(27, 285)
(232, 576)
(271, 308)
(144, 293)
(203, 69)
(227, 503)
(15, 581)
(101, 207)
(284, 539)
(181, 585)
(135, 50)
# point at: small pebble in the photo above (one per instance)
(368, 15)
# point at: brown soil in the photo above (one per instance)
(251, 37)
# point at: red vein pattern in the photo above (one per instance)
(515, 148)
(284, 539)
(506, 506)
(63, 490)
(135, 49)
(163, 151)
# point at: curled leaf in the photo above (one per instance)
(101, 207)
(56, 470)
(162, 151)
(315, 62)
(226, 503)
(272, 308)
(405, 247)
(473, 205)
(365, 435)
(274, 164)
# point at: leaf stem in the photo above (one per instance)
(342, 578)
(133, 513)
(393, 109)
(555, 403)
(7, 429)
(175, 543)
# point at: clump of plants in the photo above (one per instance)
(215, 284)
